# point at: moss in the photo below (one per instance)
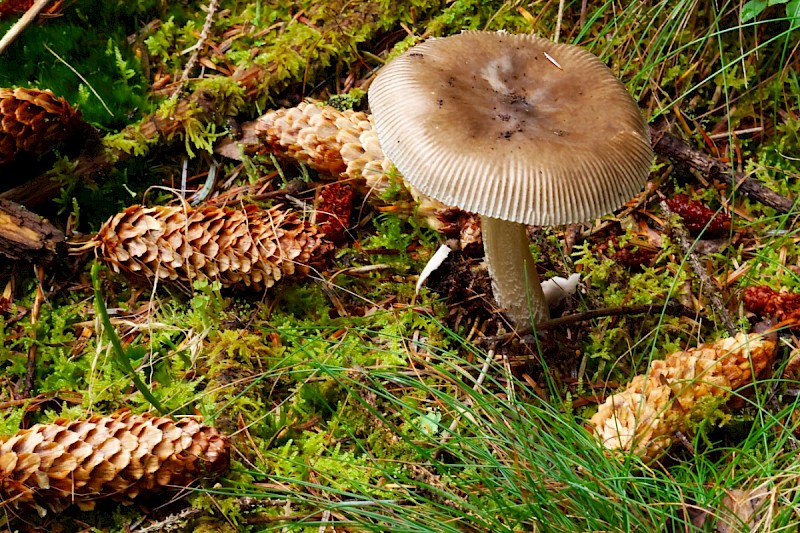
(52, 338)
(91, 40)
(772, 165)
(611, 285)
(396, 235)
(235, 367)
(480, 15)
(370, 434)
(11, 420)
(351, 100)
(301, 301)
(616, 286)
(131, 146)
(110, 192)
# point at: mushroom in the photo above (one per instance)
(518, 129)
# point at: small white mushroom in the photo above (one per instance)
(556, 289)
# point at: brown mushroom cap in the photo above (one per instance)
(513, 127)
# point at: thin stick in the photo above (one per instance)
(30, 373)
(667, 145)
(29, 16)
(84, 80)
(708, 284)
(184, 176)
(670, 307)
(197, 47)
(170, 521)
(559, 19)
(582, 19)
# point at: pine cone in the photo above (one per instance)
(34, 121)
(345, 145)
(121, 456)
(249, 247)
(308, 133)
(645, 416)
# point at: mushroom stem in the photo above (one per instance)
(515, 284)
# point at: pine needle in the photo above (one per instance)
(84, 80)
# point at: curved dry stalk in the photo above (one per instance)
(23, 22)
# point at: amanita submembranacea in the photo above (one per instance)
(519, 129)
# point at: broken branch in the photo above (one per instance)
(667, 145)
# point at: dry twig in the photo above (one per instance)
(708, 285)
(30, 373)
(667, 145)
(23, 22)
(197, 47)
(25, 235)
(669, 307)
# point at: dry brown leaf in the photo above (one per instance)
(741, 509)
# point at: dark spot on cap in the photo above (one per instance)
(515, 99)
